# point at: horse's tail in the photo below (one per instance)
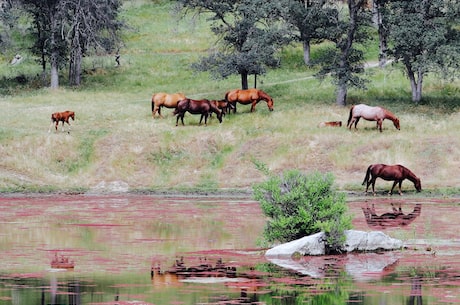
(350, 115)
(368, 174)
(226, 96)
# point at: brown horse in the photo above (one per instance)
(330, 124)
(61, 117)
(223, 105)
(396, 173)
(371, 114)
(203, 107)
(165, 99)
(249, 96)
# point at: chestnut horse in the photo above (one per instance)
(249, 96)
(396, 173)
(61, 117)
(371, 114)
(165, 99)
(203, 107)
(330, 124)
(223, 105)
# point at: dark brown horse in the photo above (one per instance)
(396, 173)
(371, 114)
(61, 117)
(167, 100)
(249, 96)
(203, 107)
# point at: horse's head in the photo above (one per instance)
(270, 104)
(72, 115)
(396, 123)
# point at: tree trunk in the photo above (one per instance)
(415, 83)
(383, 44)
(54, 71)
(75, 63)
(306, 52)
(345, 50)
(244, 80)
(418, 93)
(54, 56)
(341, 98)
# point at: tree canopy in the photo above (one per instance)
(425, 37)
(65, 30)
(249, 32)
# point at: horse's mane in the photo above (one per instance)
(410, 175)
(263, 95)
(390, 115)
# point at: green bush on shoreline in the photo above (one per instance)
(298, 205)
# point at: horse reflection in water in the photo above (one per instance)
(396, 218)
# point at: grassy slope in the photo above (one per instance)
(115, 139)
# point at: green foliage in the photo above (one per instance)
(300, 205)
(249, 34)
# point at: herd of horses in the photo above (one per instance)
(204, 107)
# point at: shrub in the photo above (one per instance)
(299, 205)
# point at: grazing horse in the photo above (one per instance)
(223, 105)
(203, 107)
(249, 96)
(61, 117)
(165, 99)
(371, 114)
(396, 173)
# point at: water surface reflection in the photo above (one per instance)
(117, 242)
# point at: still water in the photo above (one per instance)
(131, 249)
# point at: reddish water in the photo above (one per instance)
(113, 242)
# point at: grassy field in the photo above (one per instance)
(115, 144)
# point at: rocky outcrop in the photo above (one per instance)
(355, 241)
(306, 255)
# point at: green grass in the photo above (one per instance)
(114, 137)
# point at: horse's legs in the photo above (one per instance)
(253, 106)
(159, 111)
(394, 184)
(356, 121)
(234, 106)
(399, 185)
(177, 119)
(206, 119)
(379, 125)
(373, 184)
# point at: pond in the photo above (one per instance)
(141, 249)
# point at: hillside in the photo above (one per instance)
(115, 144)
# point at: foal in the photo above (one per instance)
(61, 117)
